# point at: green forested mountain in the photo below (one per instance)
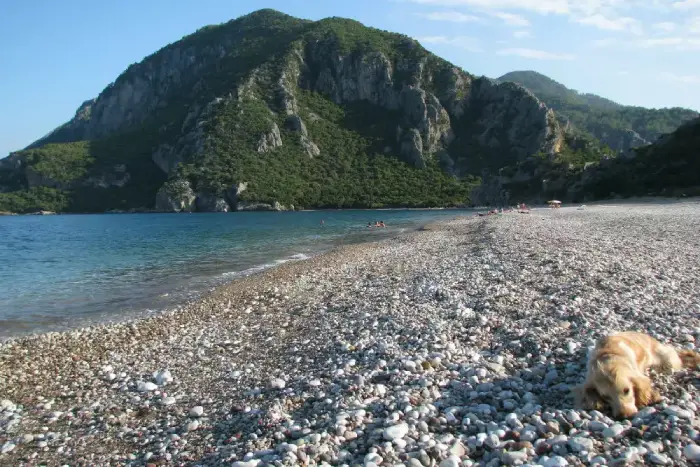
(268, 111)
(620, 127)
(272, 112)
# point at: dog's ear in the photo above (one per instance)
(587, 397)
(644, 394)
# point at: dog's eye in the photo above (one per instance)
(626, 391)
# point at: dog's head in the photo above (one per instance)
(619, 387)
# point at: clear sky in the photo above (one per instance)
(55, 55)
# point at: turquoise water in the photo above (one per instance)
(58, 272)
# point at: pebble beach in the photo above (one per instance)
(455, 345)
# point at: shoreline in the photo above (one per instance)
(621, 201)
(460, 342)
(60, 213)
(227, 279)
(156, 305)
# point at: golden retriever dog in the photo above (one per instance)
(617, 368)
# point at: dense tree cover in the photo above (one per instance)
(354, 168)
(670, 167)
(600, 117)
(79, 168)
(358, 165)
(63, 163)
(34, 200)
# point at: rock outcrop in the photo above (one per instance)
(234, 192)
(176, 196)
(254, 206)
(270, 140)
(208, 202)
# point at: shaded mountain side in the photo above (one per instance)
(620, 127)
(269, 112)
(669, 167)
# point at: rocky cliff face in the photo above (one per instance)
(211, 110)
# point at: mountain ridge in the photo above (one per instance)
(668, 167)
(622, 127)
(268, 112)
(272, 112)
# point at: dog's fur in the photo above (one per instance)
(617, 368)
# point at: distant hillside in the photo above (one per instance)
(268, 111)
(669, 167)
(620, 127)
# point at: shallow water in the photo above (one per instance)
(58, 272)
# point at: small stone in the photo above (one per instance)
(597, 425)
(674, 410)
(457, 449)
(27, 438)
(8, 405)
(396, 431)
(692, 452)
(513, 457)
(7, 447)
(193, 425)
(451, 461)
(654, 446)
(613, 431)
(492, 441)
(659, 459)
(168, 400)
(163, 377)
(277, 383)
(556, 461)
(573, 417)
(580, 443)
(196, 411)
(145, 386)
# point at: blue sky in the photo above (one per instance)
(55, 55)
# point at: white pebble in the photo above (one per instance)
(277, 383)
(193, 425)
(145, 386)
(692, 452)
(396, 431)
(163, 377)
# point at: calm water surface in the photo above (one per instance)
(58, 272)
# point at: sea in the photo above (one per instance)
(66, 271)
